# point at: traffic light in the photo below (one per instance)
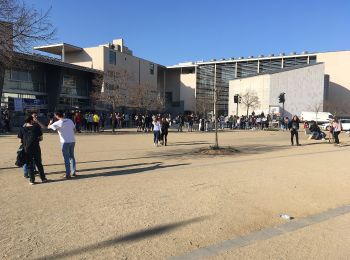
(281, 98)
(239, 99)
(235, 98)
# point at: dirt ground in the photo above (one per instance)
(132, 200)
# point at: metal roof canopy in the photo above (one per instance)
(59, 48)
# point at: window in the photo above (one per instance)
(20, 75)
(151, 68)
(69, 86)
(112, 58)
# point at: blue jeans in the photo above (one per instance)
(69, 160)
(25, 169)
(156, 135)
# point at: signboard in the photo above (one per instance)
(18, 104)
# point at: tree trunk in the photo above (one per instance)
(2, 78)
(247, 111)
(113, 118)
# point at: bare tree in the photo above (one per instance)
(249, 100)
(21, 27)
(204, 106)
(146, 97)
(112, 90)
(316, 107)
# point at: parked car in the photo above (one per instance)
(322, 117)
(344, 122)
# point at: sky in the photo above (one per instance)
(172, 31)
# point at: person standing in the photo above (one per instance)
(65, 128)
(293, 126)
(96, 120)
(30, 135)
(336, 130)
(78, 121)
(156, 131)
(164, 131)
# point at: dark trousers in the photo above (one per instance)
(336, 137)
(164, 137)
(292, 134)
(33, 157)
(96, 128)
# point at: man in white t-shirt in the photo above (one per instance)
(65, 128)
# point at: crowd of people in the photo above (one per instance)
(66, 124)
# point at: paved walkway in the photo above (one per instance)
(264, 234)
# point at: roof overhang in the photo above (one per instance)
(57, 49)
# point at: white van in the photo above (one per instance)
(322, 117)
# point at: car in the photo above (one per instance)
(345, 123)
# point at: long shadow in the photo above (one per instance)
(122, 172)
(95, 161)
(105, 168)
(187, 143)
(128, 238)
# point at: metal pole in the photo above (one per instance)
(237, 107)
(215, 112)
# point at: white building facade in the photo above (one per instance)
(304, 89)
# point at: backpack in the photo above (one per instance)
(29, 138)
(20, 160)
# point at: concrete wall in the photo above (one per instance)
(258, 84)
(304, 88)
(337, 66)
(173, 84)
(188, 91)
(90, 57)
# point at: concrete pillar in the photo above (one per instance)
(63, 53)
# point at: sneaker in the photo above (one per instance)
(31, 183)
(66, 177)
(74, 175)
(44, 180)
(26, 176)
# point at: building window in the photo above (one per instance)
(21, 75)
(151, 68)
(69, 86)
(112, 58)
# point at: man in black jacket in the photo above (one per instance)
(30, 135)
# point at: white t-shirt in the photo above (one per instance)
(156, 126)
(65, 128)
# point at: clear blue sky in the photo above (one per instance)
(168, 32)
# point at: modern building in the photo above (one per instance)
(114, 59)
(44, 84)
(189, 87)
(206, 74)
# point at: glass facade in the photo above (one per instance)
(24, 80)
(226, 71)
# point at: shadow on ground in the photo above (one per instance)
(154, 166)
(128, 238)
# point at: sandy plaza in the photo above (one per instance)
(132, 200)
